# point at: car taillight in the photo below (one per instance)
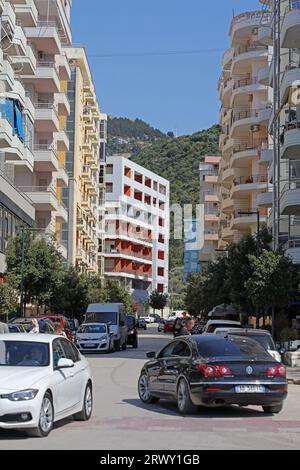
(276, 371)
(214, 370)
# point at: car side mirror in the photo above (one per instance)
(65, 364)
(151, 355)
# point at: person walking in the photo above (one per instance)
(35, 326)
(187, 328)
(3, 327)
(177, 327)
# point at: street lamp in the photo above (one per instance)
(257, 213)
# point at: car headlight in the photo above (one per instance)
(103, 338)
(23, 395)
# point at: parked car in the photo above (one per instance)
(43, 379)
(95, 337)
(263, 337)
(161, 326)
(148, 319)
(209, 370)
(15, 328)
(169, 325)
(212, 325)
(156, 317)
(141, 324)
(132, 339)
(45, 325)
(63, 322)
(113, 315)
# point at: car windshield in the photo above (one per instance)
(103, 317)
(237, 347)
(92, 329)
(266, 341)
(24, 354)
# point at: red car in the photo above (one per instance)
(63, 322)
(169, 325)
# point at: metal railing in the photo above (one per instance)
(245, 49)
(251, 179)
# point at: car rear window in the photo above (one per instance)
(212, 328)
(237, 347)
(266, 341)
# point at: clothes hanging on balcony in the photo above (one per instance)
(7, 112)
(19, 122)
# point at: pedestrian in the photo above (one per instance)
(35, 326)
(187, 328)
(59, 331)
(198, 326)
(3, 327)
(177, 327)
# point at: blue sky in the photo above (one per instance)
(173, 92)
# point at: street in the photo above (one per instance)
(120, 421)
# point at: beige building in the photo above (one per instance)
(85, 195)
(244, 117)
(210, 199)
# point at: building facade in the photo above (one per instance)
(210, 200)
(246, 109)
(136, 247)
(33, 70)
(85, 196)
(191, 248)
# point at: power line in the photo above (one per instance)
(156, 53)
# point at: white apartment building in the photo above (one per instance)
(283, 155)
(136, 247)
(34, 106)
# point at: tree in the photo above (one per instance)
(9, 298)
(158, 300)
(114, 292)
(42, 266)
(272, 281)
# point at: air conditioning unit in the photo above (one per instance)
(255, 128)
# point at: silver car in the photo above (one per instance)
(94, 337)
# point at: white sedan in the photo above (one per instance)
(148, 319)
(43, 379)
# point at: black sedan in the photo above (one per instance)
(214, 371)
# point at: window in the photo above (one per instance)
(182, 349)
(58, 352)
(109, 169)
(237, 347)
(109, 187)
(69, 351)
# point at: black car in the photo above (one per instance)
(141, 324)
(132, 339)
(207, 370)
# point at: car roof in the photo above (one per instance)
(249, 331)
(36, 338)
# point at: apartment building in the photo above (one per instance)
(32, 70)
(136, 247)
(210, 200)
(284, 156)
(246, 108)
(191, 248)
(84, 197)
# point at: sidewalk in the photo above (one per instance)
(293, 375)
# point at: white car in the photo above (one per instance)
(43, 379)
(148, 319)
(212, 325)
(94, 337)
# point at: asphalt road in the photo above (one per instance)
(120, 421)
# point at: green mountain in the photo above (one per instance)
(178, 160)
(130, 136)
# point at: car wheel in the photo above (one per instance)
(184, 402)
(273, 409)
(117, 346)
(46, 418)
(144, 391)
(87, 407)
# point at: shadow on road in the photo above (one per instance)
(165, 407)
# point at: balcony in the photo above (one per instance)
(227, 205)
(45, 158)
(45, 36)
(128, 254)
(63, 65)
(62, 178)
(62, 103)
(62, 214)
(292, 249)
(227, 233)
(26, 65)
(46, 118)
(244, 153)
(265, 199)
(227, 58)
(244, 185)
(127, 273)
(246, 86)
(246, 56)
(227, 176)
(266, 156)
(45, 79)
(265, 35)
(6, 132)
(43, 198)
(15, 150)
(264, 115)
(290, 80)
(243, 121)
(290, 30)
(8, 17)
(244, 24)
(27, 13)
(62, 141)
(290, 148)
(290, 198)
(244, 219)
(263, 76)
(7, 76)
(19, 43)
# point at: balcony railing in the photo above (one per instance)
(38, 189)
(251, 179)
(245, 49)
(244, 82)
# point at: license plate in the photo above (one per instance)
(90, 345)
(250, 389)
